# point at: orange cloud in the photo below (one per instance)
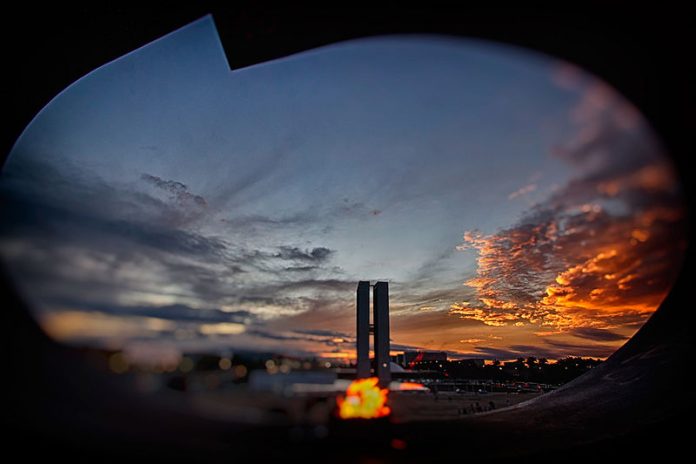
(603, 250)
(594, 272)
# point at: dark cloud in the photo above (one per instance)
(76, 226)
(52, 183)
(276, 335)
(287, 259)
(175, 312)
(319, 254)
(165, 239)
(72, 206)
(324, 333)
(327, 338)
(177, 191)
(600, 335)
(301, 268)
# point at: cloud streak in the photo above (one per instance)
(318, 254)
(525, 190)
(111, 246)
(177, 190)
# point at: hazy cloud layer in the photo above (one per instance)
(112, 243)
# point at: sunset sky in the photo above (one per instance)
(516, 205)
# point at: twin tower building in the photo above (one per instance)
(379, 327)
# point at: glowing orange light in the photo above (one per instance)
(408, 386)
(363, 400)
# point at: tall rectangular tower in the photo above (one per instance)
(363, 329)
(380, 302)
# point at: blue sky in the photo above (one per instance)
(259, 197)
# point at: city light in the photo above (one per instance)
(364, 400)
(410, 386)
